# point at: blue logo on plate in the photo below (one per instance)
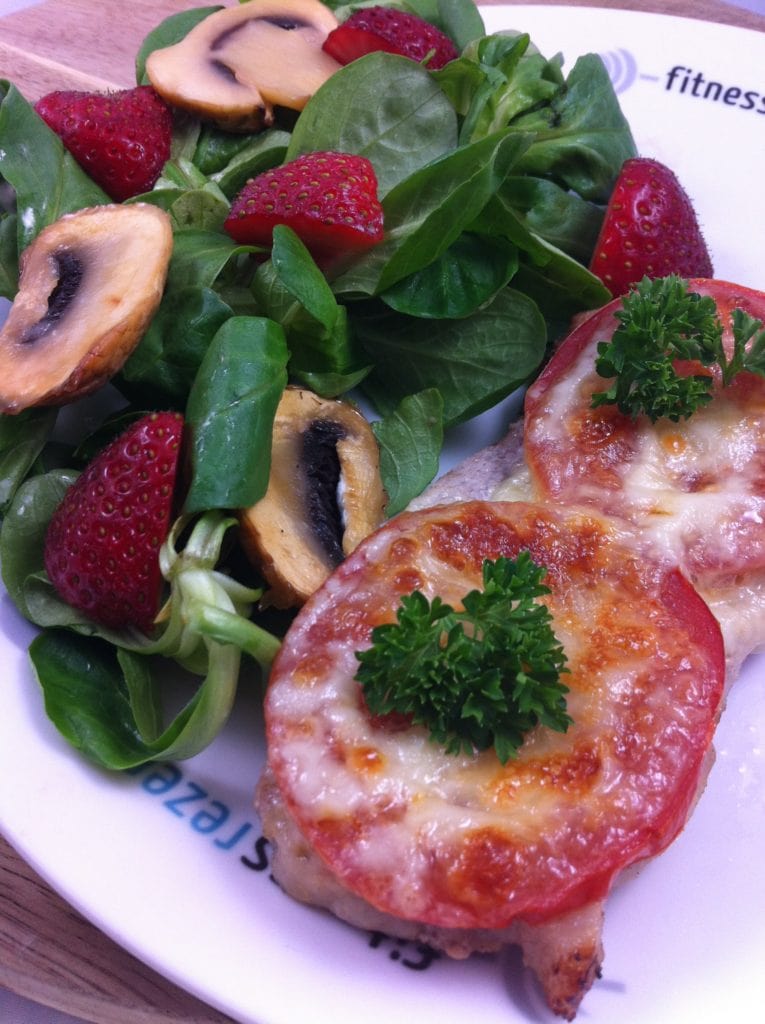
(691, 83)
(621, 67)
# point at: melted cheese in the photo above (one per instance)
(696, 488)
(442, 845)
(463, 841)
(515, 487)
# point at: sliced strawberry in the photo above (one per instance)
(103, 541)
(328, 199)
(650, 229)
(395, 31)
(120, 139)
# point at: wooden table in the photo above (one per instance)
(48, 952)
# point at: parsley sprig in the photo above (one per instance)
(660, 322)
(475, 678)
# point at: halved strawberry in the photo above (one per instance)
(650, 229)
(392, 30)
(103, 541)
(120, 139)
(328, 199)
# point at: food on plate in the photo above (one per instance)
(677, 500)
(89, 285)
(239, 63)
(328, 199)
(102, 544)
(461, 850)
(476, 676)
(650, 229)
(478, 191)
(470, 255)
(324, 495)
(120, 139)
(392, 30)
(694, 488)
(234, 326)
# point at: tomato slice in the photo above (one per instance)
(463, 841)
(697, 486)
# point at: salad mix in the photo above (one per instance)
(493, 174)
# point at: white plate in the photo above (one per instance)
(151, 860)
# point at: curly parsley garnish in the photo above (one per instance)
(660, 322)
(475, 678)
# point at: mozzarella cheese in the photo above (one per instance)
(376, 822)
(464, 841)
(696, 488)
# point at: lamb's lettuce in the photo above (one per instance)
(383, 107)
(581, 136)
(100, 691)
(230, 414)
(427, 213)
(493, 173)
(324, 356)
(22, 440)
(103, 687)
(474, 362)
(163, 367)
(410, 440)
(47, 180)
(9, 254)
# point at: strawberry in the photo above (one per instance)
(649, 230)
(395, 31)
(102, 545)
(328, 199)
(120, 139)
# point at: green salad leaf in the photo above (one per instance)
(465, 277)
(103, 698)
(493, 174)
(9, 255)
(473, 362)
(234, 396)
(581, 136)
(47, 180)
(410, 441)
(22, 440)
(384, 107)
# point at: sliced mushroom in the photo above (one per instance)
(324, 495)
(89, 285)
(236, 65)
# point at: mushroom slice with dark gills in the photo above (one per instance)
(236, 65)
(324, 495)
(89, 285)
